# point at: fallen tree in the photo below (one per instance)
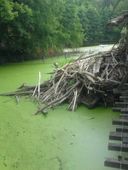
(89, 79)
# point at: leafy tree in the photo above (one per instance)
(30, 28)
(71, 26)
(90, 20)
(14, 24)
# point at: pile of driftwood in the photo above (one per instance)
(89, 79)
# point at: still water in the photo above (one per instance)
(61, 141)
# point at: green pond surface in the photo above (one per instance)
(62, 140)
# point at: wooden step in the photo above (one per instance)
(124, 98)
(121, 109)
(124, 110)
(125, 140)
(124, 116)
(123, 122)
(114, 163)
(124, 87)
(122, 129)
(120, 91)
(118, 147)
(117, 109)
(118, 136)
(121, 104)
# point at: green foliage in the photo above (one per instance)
(14, 28)
(30, 28)
(71, 26)
(6, 11)
(90, 20)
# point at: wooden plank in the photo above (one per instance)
(121, 91)
(122, 129)
(118, 147)
(124, 97)
(124, 92)
(124, 117)
(125, 86)
(121, 104)
(114, 163)
(124, 114)
(125, 140)
(117, 136)
(124, 110)
(123, 122)
(117, 109)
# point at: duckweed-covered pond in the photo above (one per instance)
(61, 141)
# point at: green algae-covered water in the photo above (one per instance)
(61, 141)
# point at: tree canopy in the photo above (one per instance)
(30, 28)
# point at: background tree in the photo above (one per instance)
(71, 26)
(30, 29)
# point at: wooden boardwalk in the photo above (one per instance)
(119, 137)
